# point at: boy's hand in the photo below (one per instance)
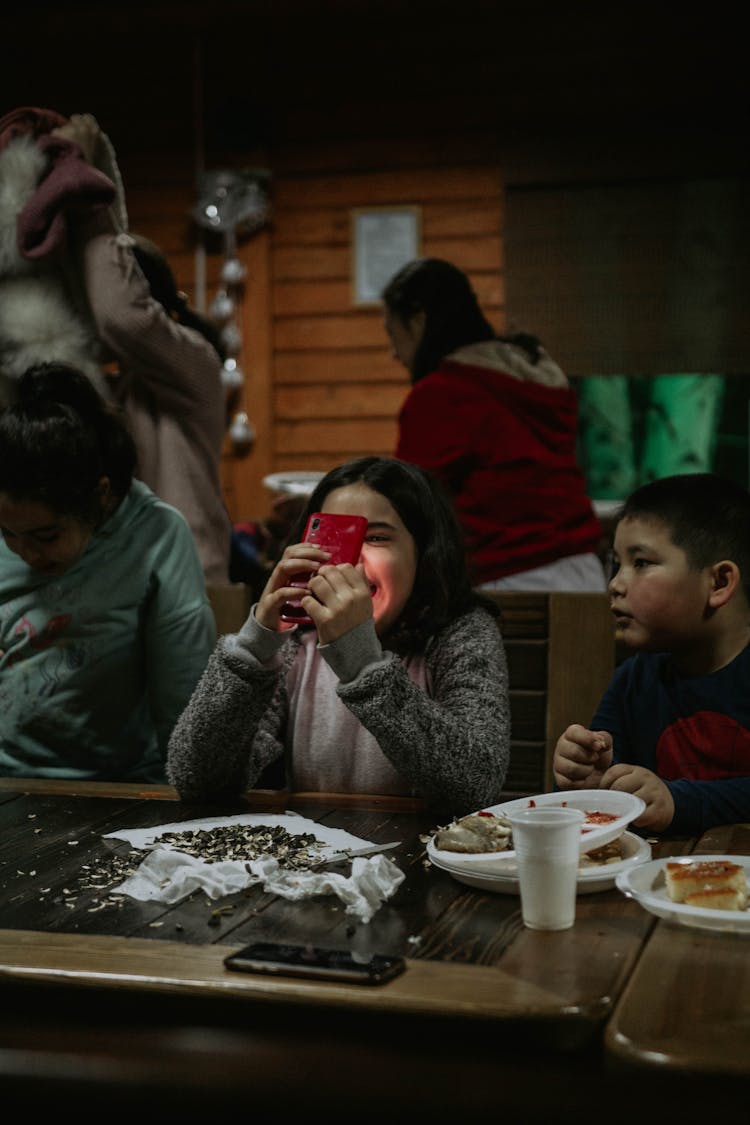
(581, 757)
(647, 785)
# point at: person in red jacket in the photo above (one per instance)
(495, 419)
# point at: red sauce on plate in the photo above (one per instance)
(592, 818)
(600, 817)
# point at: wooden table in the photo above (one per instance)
(134, 1002)
(686, 1006)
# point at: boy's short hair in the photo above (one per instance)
(708, 517)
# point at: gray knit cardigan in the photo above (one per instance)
(452, 746)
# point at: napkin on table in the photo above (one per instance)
(167, 875)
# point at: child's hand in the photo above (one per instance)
(647, 785)
(300, 558)
(341, 600)
(581, 757)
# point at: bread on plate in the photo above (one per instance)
(718, 898)
(715, 884)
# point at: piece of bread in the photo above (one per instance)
(475, 833)
(718, 898)
(685, 879)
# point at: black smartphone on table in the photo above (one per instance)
(282, 959)
(342, 536)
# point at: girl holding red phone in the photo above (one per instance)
(398, 686)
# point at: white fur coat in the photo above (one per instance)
(43, 314)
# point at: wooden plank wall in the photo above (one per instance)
(334, 391)
(321, 384)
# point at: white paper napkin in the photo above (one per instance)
(334, 839)
(167, 875)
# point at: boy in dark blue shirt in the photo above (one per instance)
(674, 724)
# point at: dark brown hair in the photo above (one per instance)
(452, 314)
(59, 438)
(442, 589)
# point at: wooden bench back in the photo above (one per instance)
(561, 656)
(231, 605)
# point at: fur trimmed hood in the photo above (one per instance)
(510, 359)
(42, 314)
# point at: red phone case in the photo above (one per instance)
(342, 536)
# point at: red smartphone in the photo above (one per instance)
(342, 536)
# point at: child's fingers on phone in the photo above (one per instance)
(341, 585)
(296, 566)
(325, 588)
(305, 551)
(274, 599)
(340, 576)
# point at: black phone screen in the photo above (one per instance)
(314, 961)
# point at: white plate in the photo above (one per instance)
(625, 806)
(590, 879)
(647, 886)
(293, 483)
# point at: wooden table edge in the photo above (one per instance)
(621, 1052)
(254, 798)
(151, 965)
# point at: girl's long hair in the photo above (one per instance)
(442, 589)
(453, 318)
(163, 286)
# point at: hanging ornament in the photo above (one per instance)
(231, 375)
(231, 339)
(222, 307)
(242, 432)
(232, 201)
(233, 272)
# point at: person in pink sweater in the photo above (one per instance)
(166, 375)
(165, 362)
(494, 418)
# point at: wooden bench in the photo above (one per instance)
(561, 656)
(230, 603)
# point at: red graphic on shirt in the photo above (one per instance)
(23, 626)
(708, 745)
(46, 638)
(51, 631)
